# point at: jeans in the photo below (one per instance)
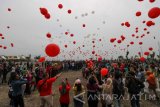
(117, 103)
(18, 101)
(134, 100)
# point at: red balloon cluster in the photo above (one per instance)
(104, 71)
(44, 12)
(127, 24)
(150, 23)
(154, 12)
(123, 38)
(52, 50)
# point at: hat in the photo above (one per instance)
(78, 81)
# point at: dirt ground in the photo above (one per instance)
(34, 101)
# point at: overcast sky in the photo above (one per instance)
(103, 18)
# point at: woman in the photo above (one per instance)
(78, 89)
(16, 84)
(64, 89)
(92, 91)
(107, 93)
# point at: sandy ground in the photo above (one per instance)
(34, 101)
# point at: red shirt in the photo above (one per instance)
(64, 99)
(46, 89)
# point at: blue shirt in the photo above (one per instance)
(17, 86)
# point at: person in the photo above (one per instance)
(44, 87)
(118, 88)
(64, 89)
(107, 93)
(152, 83)
(92, 91)
(16, 84)
(134, 86)
(78, 89)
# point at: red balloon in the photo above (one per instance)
(140, 43)
(138, 13)
(52, 50)
(122, 24)
(2, 38)
(71, 35)
(1, 34)
(104, 71)
(119, 41)
(142, 59)
(9, 9)
(145, 29)
(66, 33)
(42, 59)
(133, 35)
(150, 48)
(140, 0)
(4, 47)
(84, 25)
(112, 40)
(74, 42)
(47, 16)
(93, 52)
(65, 46)
(12, 44)
(43, 11)
(146, 53)
(151, 1)
(99, 59)
(60, 6)
(69, 11)
(154, 12)
(131, 43)
(48, 35)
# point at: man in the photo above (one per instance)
(134, 87)
(45, 89)
(152, 83)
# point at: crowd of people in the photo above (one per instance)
(124, 77)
